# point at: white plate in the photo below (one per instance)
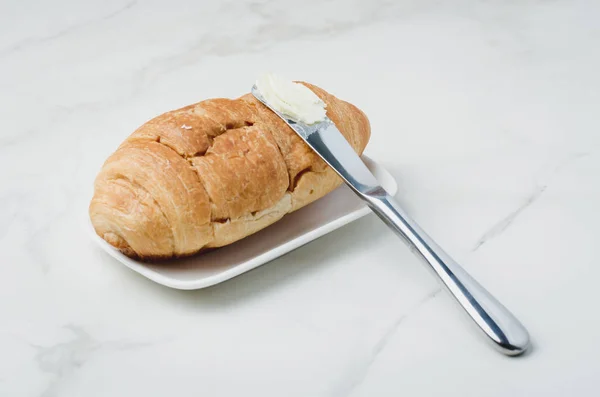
(337, 209)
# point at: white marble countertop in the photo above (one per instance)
(485, 112)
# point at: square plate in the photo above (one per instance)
(336, 209)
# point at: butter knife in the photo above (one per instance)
(500, 326)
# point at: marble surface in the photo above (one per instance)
(486, 113)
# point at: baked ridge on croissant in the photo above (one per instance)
(210, 174)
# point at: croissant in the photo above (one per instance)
(210, 174)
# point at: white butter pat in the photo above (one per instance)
(294, 100)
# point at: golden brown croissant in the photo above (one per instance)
(210, 174)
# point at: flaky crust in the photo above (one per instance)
(210, 174)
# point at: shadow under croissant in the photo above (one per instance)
(354, 237)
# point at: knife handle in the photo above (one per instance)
(508, 335)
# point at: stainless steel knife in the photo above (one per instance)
(500, 326)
